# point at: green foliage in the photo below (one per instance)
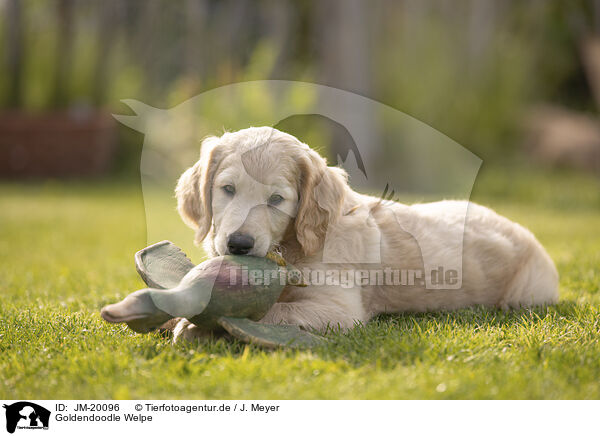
(475, 77)
(470, 70)
(66, 250)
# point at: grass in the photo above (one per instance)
(66, 250)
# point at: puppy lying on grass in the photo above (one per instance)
(260, 190)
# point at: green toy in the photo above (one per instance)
(227, 292)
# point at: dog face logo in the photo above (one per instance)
(384, 150)
(26, 415)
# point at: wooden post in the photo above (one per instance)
(14, 41)
(107, 31)
(64, 51)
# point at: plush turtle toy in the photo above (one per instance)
(227, 292)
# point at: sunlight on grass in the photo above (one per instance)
(67, 249)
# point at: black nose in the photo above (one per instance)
(238, 243)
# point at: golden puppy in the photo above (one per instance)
(260, 190)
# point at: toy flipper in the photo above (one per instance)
(162, 265)
(188, 299)
(269, 335)
(138, 311)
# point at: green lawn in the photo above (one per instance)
(66, 249)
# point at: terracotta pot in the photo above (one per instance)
(58, 144)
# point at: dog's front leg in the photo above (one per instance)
(187, 331)
(314, 307)
(319, 308)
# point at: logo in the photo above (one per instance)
(26, 415)
(379, 148)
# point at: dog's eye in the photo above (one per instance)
(229, 189)
(275, 199)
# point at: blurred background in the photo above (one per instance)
(508, 80)
(516, 83)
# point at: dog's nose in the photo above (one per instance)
(238, 243)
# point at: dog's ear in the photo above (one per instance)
(322, 190)
(193, 191)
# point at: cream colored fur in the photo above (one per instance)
(323, 224)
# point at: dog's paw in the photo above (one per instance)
(187, 331)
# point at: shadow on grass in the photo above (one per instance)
(410, 338)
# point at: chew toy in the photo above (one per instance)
(227, 292)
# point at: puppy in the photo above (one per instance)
(260, 190)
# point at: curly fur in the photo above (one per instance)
(323, 224)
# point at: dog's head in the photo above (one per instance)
(251, 187)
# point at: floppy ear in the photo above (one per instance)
(193, 191)
(322, 191)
